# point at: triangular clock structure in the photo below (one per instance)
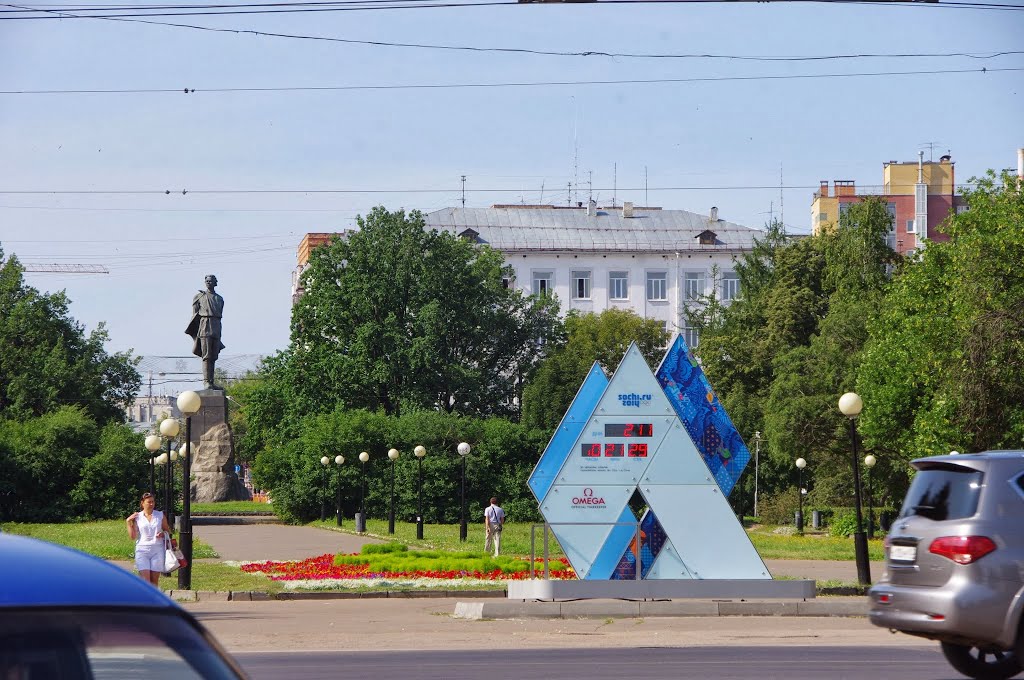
(667, 439)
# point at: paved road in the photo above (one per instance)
(672, 663)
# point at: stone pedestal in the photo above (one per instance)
(213, 412)
(213, 468)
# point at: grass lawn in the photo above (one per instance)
(107, 539)
(222, 577)
(810, 546)
(232, 508)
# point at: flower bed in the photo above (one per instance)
(323, 572)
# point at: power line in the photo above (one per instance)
(550, 83)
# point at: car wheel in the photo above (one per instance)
(982, 664)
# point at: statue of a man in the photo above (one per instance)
(207, 309)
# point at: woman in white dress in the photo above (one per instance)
(147, 528)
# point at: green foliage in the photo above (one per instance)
(844, 524)
(381, 548)
(434, 560)
(111, 480)
(780, 507)
(395, 317)
(601, 337)
(48, 361)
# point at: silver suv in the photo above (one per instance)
(955, 562)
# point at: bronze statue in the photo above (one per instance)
(207, 309)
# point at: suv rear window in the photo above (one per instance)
(943, 493)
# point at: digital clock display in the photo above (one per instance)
(629, 430)
(610, 450)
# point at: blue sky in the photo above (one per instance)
(736, 133)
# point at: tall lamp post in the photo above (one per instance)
(324, 462)
(393, 456)
(189, 404)
(152, 445)
(800, 465)
(419, 452)
(850, 404)
(338, 462)
(869, 462)
(757, 456)
(169, 428)
(361, 521)
(463, 450)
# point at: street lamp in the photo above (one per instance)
(169, 428)
(463, 450)
(850, 405)
(800, 465)
(324, 461)
(152, 445)
(189, 404)
(419, 452)
(869, 462)
(339, 461)
(757, 456)
(361, 517)
(393, 455)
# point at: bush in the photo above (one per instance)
(382, 548)
(779, 508)
(112, 480)
(843, 525)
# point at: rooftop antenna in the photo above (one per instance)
(615, 182)
(782, 207)
(541, 192)
(645, 187)
(463, 191)
(931, 149)
(590, 185)
(575, 148)
(568, 199)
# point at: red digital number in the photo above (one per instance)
(638, 450)
(627, 431)
(591, 450)
(613, 450)
(645, 430)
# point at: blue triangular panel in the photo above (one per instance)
(620, 537)
(668, 565)
(559, 448)
(589, 515)
(707, 423)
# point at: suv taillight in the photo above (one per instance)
(962, 549)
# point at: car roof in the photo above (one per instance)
(37, 573)
(965, 459)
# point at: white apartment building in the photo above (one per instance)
(652, 261)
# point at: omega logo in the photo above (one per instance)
(588, 498)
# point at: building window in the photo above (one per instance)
(693, 285)
(657, 290)
(581, 285)
(823, 217)
(910, 227)
(891, 209)
(506, 282)
(730, 286)
(691, 336)
(962, 209)
(843, 208)
(542, 283)
(618, 285)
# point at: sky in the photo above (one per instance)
(163, 187)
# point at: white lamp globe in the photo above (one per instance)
(153, 442)
(161, 459)
(169, 428)
(325, 461)
(463, 449)
(338, 460)
(183, 451)
(870, 460)
(801, 463)
(850, 404)
(189, 403)
(364, 456)
(174, 456)
(393, 454)
(419, 451)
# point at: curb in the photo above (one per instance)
(259, 595)
(583, 609)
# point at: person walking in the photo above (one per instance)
(494, 522)
(147, 528)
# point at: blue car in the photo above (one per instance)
(64, 614)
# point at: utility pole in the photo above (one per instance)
(757, 456)
(463, 191)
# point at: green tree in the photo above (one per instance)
(48, 361)
(395, 316)
(111, 481)
(603, 337)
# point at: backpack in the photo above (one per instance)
(494, 525)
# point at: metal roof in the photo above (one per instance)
(572, 229)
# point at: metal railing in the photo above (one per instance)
(545, 525)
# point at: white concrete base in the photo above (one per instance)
(660, 589)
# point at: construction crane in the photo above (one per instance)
(65, 268)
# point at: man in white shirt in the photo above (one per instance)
(494, 521)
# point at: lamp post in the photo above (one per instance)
(393, 456)
(152, 445)
(361, 517)
(757, 456)
(869, 462)
(419, 452)
(338, 462)
(324, 462)
(189, 404)
(463, 450)
(169, 428)
(850, 404)
(800, 465)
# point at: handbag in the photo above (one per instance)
(171, 561)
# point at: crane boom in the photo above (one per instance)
(65, 268)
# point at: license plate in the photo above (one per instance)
(903, 553)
